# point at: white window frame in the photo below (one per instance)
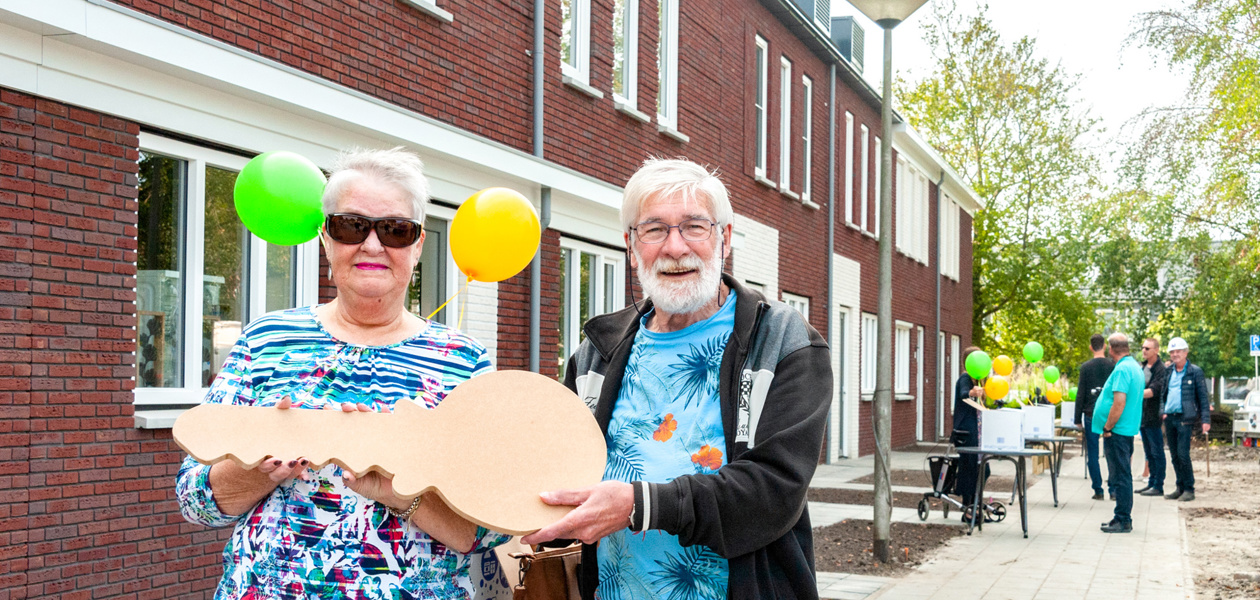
(761, 63)
(901, 358)
(912, 211)
(807, 137)
(848, 167)
(667, 61)
(630, 57)
(950, 221)
(866, 171)
(870, 351)
(798, 303)
(955, 349)
(879, 180)
(572, 293)
(579, 42)
(785, 123)
(306, 269)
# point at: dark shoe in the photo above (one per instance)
(1097, 496)
(1111, 497)
(1118, 528)
(1108, 524)
(1186, 497)
(1152, 492)
(1176, 494)
(1143, 490)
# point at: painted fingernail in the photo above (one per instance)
(292, 463)
(303, 462)
(277, 462)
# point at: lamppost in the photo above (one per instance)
(887, 14)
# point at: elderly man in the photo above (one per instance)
(1152, 435)
(1186, 403)
(713, 400)
(1117, 418)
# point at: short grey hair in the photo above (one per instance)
(1119, 342)
(396, 166)
(668, 177)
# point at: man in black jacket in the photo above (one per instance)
(1152, 434)
(713, 400)
(1093, 375)
(1185, 404)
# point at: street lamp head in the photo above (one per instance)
(887, 13)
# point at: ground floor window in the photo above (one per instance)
(592, 282)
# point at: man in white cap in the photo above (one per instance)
(1185, 403)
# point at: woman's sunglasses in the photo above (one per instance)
(391, 231)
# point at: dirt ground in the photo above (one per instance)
(1223, 522)
(863, 497)
(846, 546)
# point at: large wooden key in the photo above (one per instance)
(492, 445)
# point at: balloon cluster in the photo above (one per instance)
(997, 381)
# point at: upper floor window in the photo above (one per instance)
(879, 181)
(785, 124)
(762, 53)
(950, 220)
(807, 140)
(625, 51)
(912, 211)
(866, 171)
(592, 282)
(575, 33)
(848, 167)
(667, 65)
(201, 275)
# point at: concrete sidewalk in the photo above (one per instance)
(1063, 556)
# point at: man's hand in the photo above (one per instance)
(1206, 427)
(601, 509)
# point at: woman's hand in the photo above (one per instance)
(237, 490)
(377, 488)
(976, 391)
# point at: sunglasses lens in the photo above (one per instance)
(397, 233)
(348, 229)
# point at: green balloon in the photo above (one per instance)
(1033, 352)
(1052, 374)
(278, 197)
(978, 365)
(1072, 394)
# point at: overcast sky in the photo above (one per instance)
(1088, 36)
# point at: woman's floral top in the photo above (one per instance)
(318, 539)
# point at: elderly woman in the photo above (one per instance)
(301, 533)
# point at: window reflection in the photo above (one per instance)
(160, 275)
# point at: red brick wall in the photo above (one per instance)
(87, 504)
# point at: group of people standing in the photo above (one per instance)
(1120, 398)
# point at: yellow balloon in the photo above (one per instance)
(1054, 396)
(997, 388)
(494, 234)
(1003, 365)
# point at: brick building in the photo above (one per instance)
(126, 276)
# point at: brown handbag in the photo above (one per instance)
(548, 575)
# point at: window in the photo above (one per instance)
(626, 51)
(201, 276)
(575, 28)
(866, 170)
(848, 167)
(870, 354)
(798, 303)
(762, 58)
(954, 350)
(592, 281)
(879, 179)
(667, 65)
(807, 141)
(785, 124)
(912, 211)
(950, 223)
(902, 359)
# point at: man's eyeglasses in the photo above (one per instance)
(394, 232)
(1147, 348)
(692, 230)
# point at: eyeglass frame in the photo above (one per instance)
(712, 225)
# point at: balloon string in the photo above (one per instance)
(448, 301)
(463, 304)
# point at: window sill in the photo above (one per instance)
(581, 87)
(903, 397)
(810, 204)
(766, 182)
(868, 396)
(673, 133)
(432, 9)
(158, 419)
(630, 111)
(790, 194)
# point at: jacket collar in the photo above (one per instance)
(606, 332)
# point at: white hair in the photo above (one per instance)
(670, 177)
(396, 166)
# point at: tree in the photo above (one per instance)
(1007, 119)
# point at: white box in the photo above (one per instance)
(1038, 420)
(1002, 429)
(1067, 413)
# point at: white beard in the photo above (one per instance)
(682, 297)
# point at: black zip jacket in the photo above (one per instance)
(775, 389)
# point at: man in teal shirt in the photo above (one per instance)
(1117, 417)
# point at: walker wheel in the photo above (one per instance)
(998, 510)
(923, 509)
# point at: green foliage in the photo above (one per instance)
(1007, 119)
